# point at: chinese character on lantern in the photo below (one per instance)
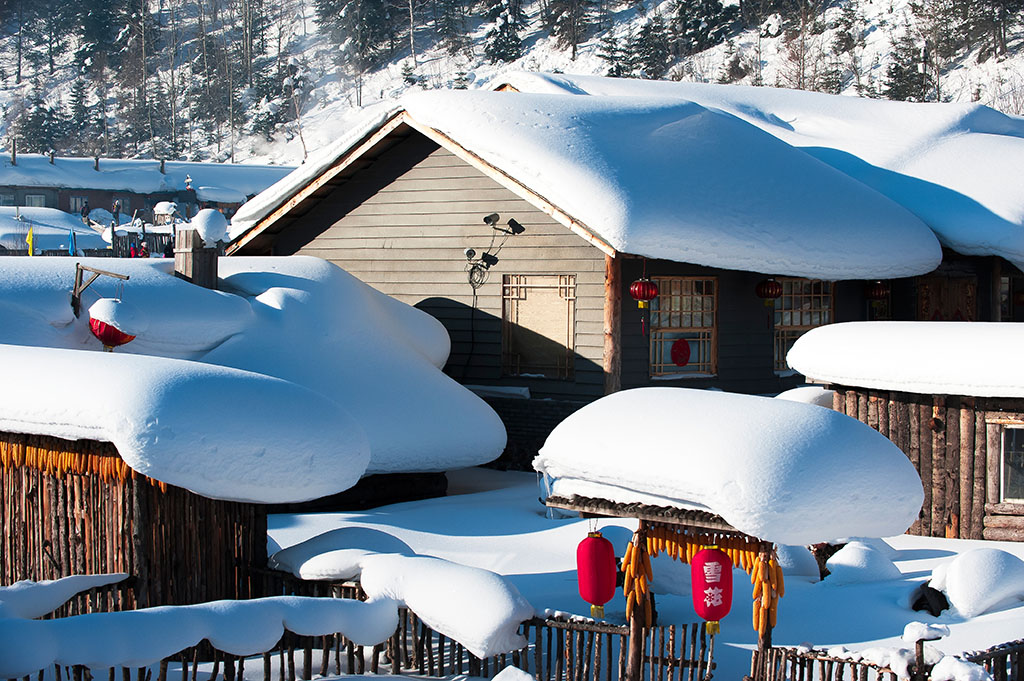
(713, 597)
(713, 572)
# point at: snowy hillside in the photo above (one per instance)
(87, 105)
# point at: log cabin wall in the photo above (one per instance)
(74, 507)
(954, 442)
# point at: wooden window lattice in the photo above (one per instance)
(686, 308)
(538, 325)
(803, 305)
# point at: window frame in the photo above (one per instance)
(660, 347)
(1004, 427)
(29, 197)
(511, 285)
(784, 335)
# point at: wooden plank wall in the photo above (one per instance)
(954, 444)
(178, 546)
(402, 226)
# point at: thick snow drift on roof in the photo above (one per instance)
(337, 350)
(915, 357)
(211, 225)
(478, 608)
(198, 426)
(956, 166)
(667, 178)
(220, 195)
(139, 176)
(784, 471)
(51, 229)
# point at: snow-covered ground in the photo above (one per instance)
(494, 520)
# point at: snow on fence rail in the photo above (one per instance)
(1005, 662)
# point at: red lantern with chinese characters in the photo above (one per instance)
(768, 290)
(876, 290)
(109, 335)
(711, 578)
(643, 291)
(595, 571)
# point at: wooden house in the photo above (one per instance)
(943, 394)
(458, 208)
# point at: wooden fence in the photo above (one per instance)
(1005, 662)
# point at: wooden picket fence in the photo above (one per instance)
(1005, 662)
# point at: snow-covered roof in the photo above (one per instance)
(51, 229)
(139, 176)
(658, 177)
(943, 358)
(956, 166)
(784, 471)
(288, 384)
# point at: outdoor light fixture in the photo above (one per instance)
(492, 219)
(488, 260)
(514, 227)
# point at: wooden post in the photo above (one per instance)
(612, 324)
(193, 261)
(634, 663)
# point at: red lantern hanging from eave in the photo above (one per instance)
(110, 336)
(768, 290)
(876, 290)
(595, 571)
(711, 578)
(643, 291)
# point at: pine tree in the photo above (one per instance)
(503, 41)
(569, 21)
(613, 54)
(649, 49)
(905, 78)
(450, 23)
(700, 24)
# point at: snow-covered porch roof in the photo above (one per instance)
(655, 177)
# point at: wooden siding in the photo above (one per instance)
(402, 225)
(954, 443)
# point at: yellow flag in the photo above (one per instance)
(28, 240)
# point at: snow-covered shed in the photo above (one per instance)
(291, 382)
(520, 222)
(69, 184)
(951, 396)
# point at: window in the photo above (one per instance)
(35, 200)
(538, 325)
(6, 199)
(683, 319)
(77, 203)
(1012, 465)
(803, 305)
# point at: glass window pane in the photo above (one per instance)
(1013, 464)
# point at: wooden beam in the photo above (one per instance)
(513, 185)
(661, 514)
(612, 324)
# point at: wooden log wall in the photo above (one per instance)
(954, 443)
(74, 507)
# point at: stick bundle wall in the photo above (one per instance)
(74, 507)
(954, 442)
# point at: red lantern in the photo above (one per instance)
(876, 290)
(643, 291)
(711, 579)
(595, 571)
(109, 335)
(768, 290)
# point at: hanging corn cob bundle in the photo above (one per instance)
(636, 587)
(683, 543)
(55, 459)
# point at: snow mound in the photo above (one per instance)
(476, 607)
(858, 562)
(981, 580)
(797, 561)
(809, 394)
(336, 554)
(51, 229)
(951, 668)
(211, 225)
(302, 333)
(140, 638)
(786, 472)
(623, 166)
(916, 631)
(34, 599)
(512, 673)
(165, 208)
(914, 357)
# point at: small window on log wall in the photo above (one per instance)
(803, 305)
(538, 325)
(1012, 483)
(685, 311)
